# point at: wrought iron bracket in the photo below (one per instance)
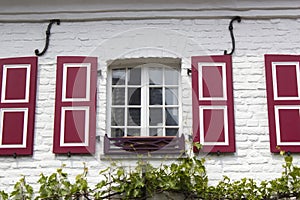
(238, 19)
(48, 33)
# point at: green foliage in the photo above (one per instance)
(187, 177)
(3, 195)
(55, 186)
(22, 191)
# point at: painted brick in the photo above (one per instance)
(181, 38)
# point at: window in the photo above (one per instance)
(283, 95)
(145, 98)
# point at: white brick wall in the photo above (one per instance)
(170, 37)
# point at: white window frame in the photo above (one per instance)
(274, 79)
(224, 80)
(145, 65)
(225, 120)
(66, 66)
(86, 110)
(27, 84)
(277, 122)
(25, 127)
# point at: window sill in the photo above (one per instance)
(144, 145)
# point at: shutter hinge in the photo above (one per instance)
(189, 72)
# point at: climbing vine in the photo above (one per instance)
(187, 177)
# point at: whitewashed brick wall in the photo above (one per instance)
(157, 37)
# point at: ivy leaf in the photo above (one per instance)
(197, 145)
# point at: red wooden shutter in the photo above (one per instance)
(17, 105)
(75, 106)
(213, 117)
(283, 94)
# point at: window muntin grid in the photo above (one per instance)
(145, 100)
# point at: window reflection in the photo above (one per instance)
(134, 117)
(155, 96)
(155, 76)
(118, 77)
(118, 96)
(156, 116)
(134, 96)
(171, 116)
(171, 96)
(134, 76)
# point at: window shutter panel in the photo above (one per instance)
(17, 105)
(283, 95)
(213, 113)
(75, 105)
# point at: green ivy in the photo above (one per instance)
(187, 177)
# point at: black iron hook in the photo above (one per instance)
(37, 52)
(238, 19)
(189, 71)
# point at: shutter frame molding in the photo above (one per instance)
(213, 102)
(17, 105)
(75, 110)
(283, 97)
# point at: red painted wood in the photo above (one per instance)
(75, 126)
(289, 125)
(13, 127)
(286, 81)
(76, 101)
(213, 87)
(288, 115)
(15, 84)
(13, 117)
(214, 125)
(76, 82)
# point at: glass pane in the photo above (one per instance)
(171, 116)
(117, 132)
(156, 132)
(133, 132)
(171, 76)
(171, 131)
(155, 96)
(134, 96)
(134, 117)
(171, 96)
(155, 76)
(134, 76)
(118, 96)
(118, 76)
(155, 118)
(117, 116)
